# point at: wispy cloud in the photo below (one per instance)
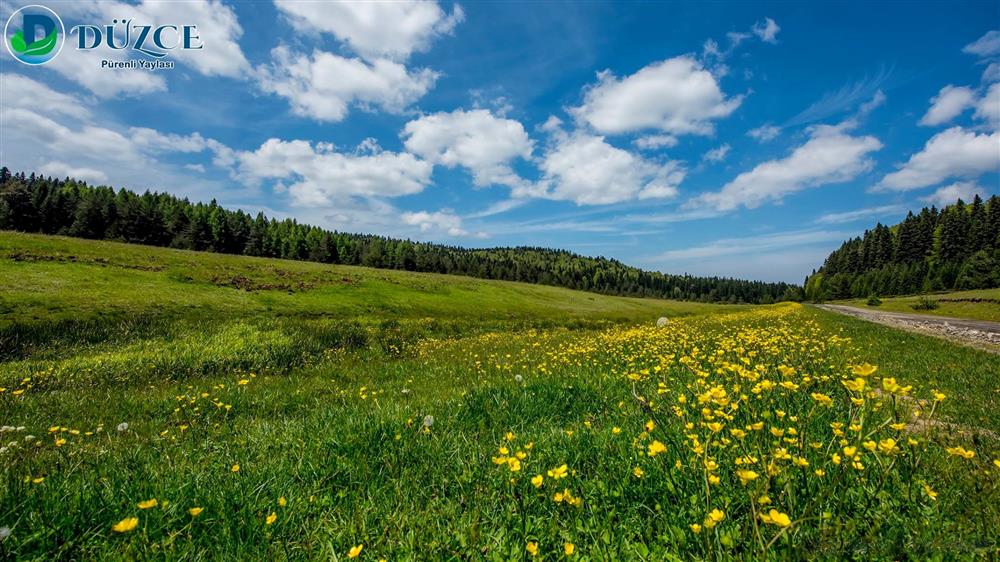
(858, 214)
(753, 244)
(848, 96)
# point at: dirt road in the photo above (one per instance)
(979, 333)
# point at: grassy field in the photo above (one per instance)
(982, 304)
(312, 412)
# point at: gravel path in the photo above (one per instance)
(979, 333)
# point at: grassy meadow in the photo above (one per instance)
(161, 404)
(980, 304)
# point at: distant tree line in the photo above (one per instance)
(957, 247)
(72, 208)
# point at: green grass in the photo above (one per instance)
(982, 304)
(339, 378)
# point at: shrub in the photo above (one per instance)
(924, 303)
(873, 300)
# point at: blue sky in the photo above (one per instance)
(733, 139)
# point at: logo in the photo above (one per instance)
(39, 38)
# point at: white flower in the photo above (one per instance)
(122, 427)
(406, 391)
(3, 450)
(4, 533)
(20, 428)
(29, 437)
(428, 420)
(519, 379)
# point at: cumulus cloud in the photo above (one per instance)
(376, 29)
(24, 93)
(62, 170)
(764, 133)
(829, 156)
(444, 221)
(717, 154)
(986, 46)
(317, 174)
(953, 153)
(324, 85)
(677, 96)
(476, 140)
(653, 142)
(965, 190)
(988, 107)
(587, 170)
(950, 102)
(767, 30)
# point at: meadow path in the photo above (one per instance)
(979, 333)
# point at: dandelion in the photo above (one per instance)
(126, 525)
(38, 480)
(235, 468)
(655, 448)
(271, 518)
(714, 517)
(961, 452)
(196, 511)
(616, 430)
(122, 427)
(282, 502)
(775, 517)
(519, 379)
(4, 533)
(428, 422)
(532, 548)
(355, 551)
(930, 493)
(147, 504)
(569, 548)
(650, 425)
(746, 476)
(864, 370)
(558, 472)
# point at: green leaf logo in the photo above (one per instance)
(41, 47)
(34, 34)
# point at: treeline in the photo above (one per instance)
(72, 208)
(957, 247)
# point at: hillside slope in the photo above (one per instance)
(52, 278)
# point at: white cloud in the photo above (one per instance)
(717, 154)
(950, 102)
(764, 133)
(767, 30)
(84, 68)
(62, 170)
(321, 176)
(947, 195)
(475, 139)
(164, 142)
(324, 86)
(218, 29)
(441, 221)
(851, 216)
(986, 46)
(992, 73)
(589, 171)
(988, 108)
(829, 156)
(653, 142)
(376, 29)
(954, 152)
(676, 96)
(24, 93)
(734, 246)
